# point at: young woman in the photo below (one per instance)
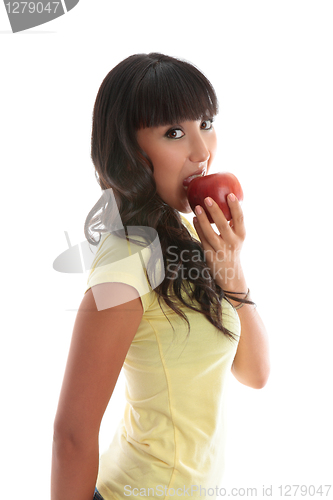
(174, 312)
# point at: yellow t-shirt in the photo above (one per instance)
(170, 441)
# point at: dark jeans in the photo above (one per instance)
(97, 495)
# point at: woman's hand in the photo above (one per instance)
(222, 251)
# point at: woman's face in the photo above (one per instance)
(177, 152)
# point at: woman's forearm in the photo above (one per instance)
(74, 470)
(251, 364)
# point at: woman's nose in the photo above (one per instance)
(199, 151)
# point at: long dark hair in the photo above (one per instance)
(148, 90)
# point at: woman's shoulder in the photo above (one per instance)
(119, 260)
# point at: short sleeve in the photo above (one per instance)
(118, 260)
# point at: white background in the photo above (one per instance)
(271, 65)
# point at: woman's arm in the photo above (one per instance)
(251, 363)
(100, 341)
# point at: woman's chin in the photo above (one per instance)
(180, 203)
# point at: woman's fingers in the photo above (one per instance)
(221, 250)
(226, 233)
(203, 239)
(207, 234)
(231, 234)
(238, 225)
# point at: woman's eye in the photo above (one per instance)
(207, 124)
(175, 133)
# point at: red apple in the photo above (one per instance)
(217, 187)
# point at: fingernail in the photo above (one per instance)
(208, 202)
(231, 197)
(198, 210)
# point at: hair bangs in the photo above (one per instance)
(169, 94)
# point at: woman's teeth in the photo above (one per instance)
(191, 177)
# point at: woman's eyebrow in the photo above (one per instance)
(171, 125)
(207, 117)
